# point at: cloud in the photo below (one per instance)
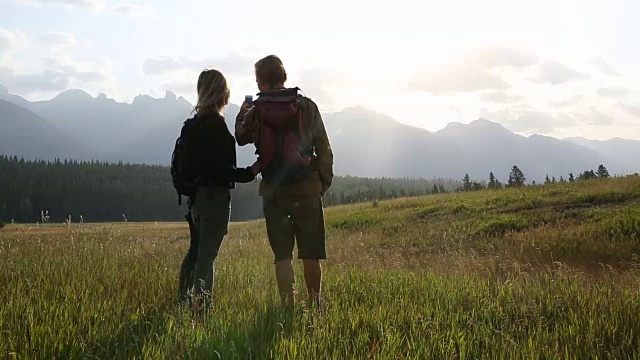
(58, 40)
(531, 120)
(630, 109)
(88, 72)
(229, 65)
(317, 84)
(46, 81)
(612, 92)
(454, 79)
(12, 42)
(181, 86)
(604, 66)
(58, 74)
(574, 100)
(132, 10)
(542, 122)
(475, 71)
(99, 6)
(93, 5)
(557, 73)
(525, 119)
(500, 97)
(50, 67)
(491, 58)
(597, 118)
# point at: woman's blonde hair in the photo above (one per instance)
(213, 92)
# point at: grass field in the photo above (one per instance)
(540, 272)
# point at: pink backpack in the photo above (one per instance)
(284, 139)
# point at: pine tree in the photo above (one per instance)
(492, 181)
(516, 177)
(435, 189)
(553, 180)
(603, 173)
(571, 178)
(466, 183)
(561, 179)
(547, 180)
(587, 175)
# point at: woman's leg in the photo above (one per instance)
(185, 281)
(211, 209)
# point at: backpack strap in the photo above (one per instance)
(288, 92)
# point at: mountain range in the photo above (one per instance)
(79, 126)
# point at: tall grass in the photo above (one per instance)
(545, 272)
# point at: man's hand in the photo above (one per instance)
(244, 129)
(244, 108)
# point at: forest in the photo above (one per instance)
(68, 190)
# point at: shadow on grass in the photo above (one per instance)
(127, 342)
(256, 340)
(150, 334)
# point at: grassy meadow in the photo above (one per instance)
(541, 272)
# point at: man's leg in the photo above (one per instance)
(308, 224)
(286, 281)
(313, 279)
(281, 239)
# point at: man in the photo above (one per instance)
(296, 164)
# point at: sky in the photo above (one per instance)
(558, 68)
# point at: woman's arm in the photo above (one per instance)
(218, 149)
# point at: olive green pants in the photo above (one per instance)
(210, 211)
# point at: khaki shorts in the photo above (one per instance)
(295, 220)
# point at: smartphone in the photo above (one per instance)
(248, 99)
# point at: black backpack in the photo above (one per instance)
(181, 173)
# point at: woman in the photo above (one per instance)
(212, 157)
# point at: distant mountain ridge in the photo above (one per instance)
(365, 143)
(616, 148)
(26, 134)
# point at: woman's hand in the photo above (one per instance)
(255, 168)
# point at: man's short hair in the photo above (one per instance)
(270, 70)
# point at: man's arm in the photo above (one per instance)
(323, 151)
(244, 126)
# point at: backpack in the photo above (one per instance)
(184, 183)
(283, 141)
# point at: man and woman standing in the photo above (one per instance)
(295, 161)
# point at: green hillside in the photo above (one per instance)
(537, 272)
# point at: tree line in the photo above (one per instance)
(79, 191)
(68, 190)
(518, 179)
